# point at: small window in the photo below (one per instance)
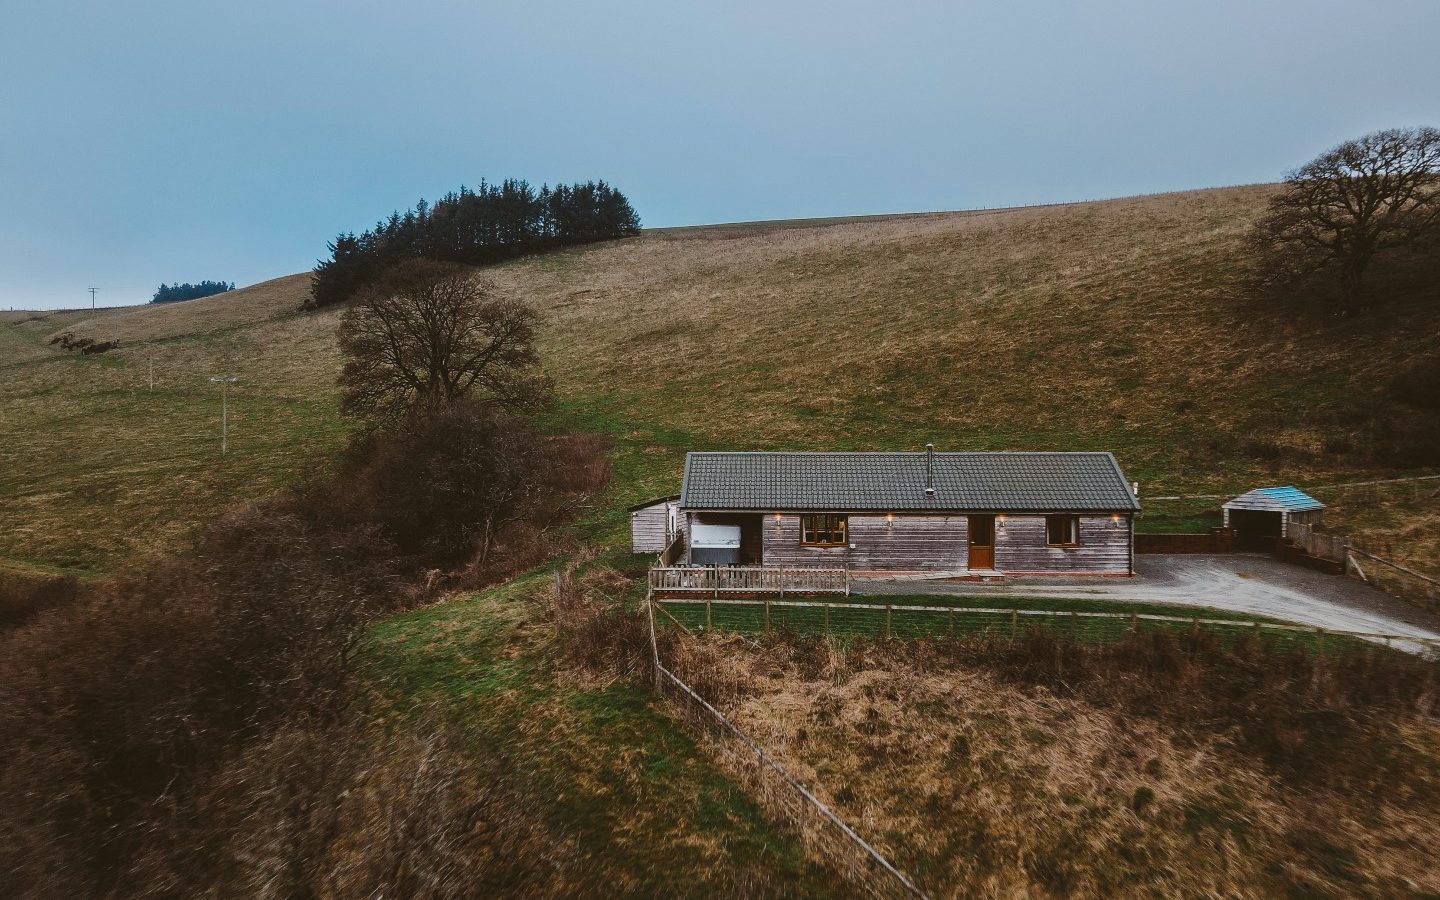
(822, 531)
(1062, 531)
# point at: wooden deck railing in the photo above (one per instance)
(781, 580)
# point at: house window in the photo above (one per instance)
(822, 531)
(1062, 531)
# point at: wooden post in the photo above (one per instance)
(1134, 624)
(767, 616)
(708, 620)
(952, 621)
(1014, 623)
(782, 582)
(1194, 628)
(827, 619)
(887, 620)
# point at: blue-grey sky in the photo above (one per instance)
(143, 141)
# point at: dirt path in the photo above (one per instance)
(1248, 583)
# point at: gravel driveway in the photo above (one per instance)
(1242, 582)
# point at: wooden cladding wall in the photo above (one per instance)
(648, 527)
(910, 543)
(1104, 549)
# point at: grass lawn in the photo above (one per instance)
(654, 816)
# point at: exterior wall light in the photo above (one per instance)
(889, 519)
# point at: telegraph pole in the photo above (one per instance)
(224, 381)
(92, 298)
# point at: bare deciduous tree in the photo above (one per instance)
(431, 334)
(1366, 196)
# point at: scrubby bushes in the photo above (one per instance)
(132, 722)
(24, 596)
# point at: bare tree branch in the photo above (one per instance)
(429, 335)
(1348, 205)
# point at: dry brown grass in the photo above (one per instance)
(981, 781)
(268, 300)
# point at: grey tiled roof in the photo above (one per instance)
(841, 482)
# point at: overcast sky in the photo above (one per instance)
(143, 142)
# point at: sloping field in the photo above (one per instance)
(95, 466)
(1112, 325)
(1210, 774)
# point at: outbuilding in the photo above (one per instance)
(653, 524)
(933, 513)
(1262, 517)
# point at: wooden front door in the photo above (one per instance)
(982, 542)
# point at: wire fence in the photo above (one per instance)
(897, 620)
(821, 828)
(1350, 493)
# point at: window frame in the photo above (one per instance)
(1074, 520)
(840, 523)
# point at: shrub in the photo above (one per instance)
(24, 597)
(447, 488)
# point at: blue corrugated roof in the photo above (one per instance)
(1287, 498)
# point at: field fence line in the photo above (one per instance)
(1430, 645)
(664, 675)
(1320, 488)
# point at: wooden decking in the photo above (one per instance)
(730, 580)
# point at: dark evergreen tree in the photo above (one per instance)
(170, 293)
(478, 226)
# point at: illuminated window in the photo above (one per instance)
(822, 531)
(1062, 531)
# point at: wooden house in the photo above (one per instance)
(960, 513)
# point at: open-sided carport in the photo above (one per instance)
(1262, 517)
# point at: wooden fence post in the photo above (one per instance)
(827, 619)
(1014, 623)
(1134, 624)
(952, 621)
(782, 582)
(708, 620)
(767, 616)
(887, 620)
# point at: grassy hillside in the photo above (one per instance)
(96, 467)
(1114, 325)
